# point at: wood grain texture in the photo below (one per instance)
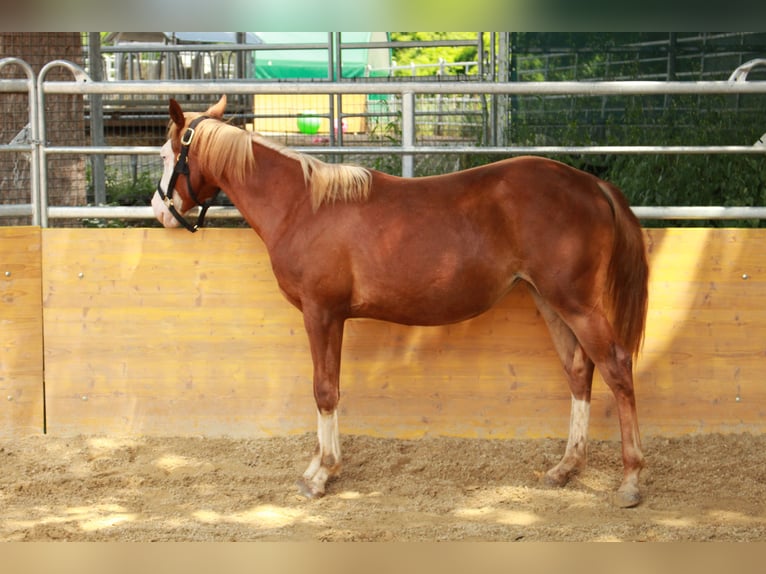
(703, 363)
(156, 331)
(21, 332)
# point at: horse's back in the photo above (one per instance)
(531, 181)
(509, 206)
(441, 249)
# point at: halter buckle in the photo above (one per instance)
(186, 139)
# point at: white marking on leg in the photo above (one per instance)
(316, 460)
(327, 431)
(576, 452)
(326, 460)
(578, 428)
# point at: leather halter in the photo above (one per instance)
(182, 168)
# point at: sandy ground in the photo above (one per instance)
(708, 487)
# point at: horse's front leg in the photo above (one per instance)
(326, 460)
(325, 333)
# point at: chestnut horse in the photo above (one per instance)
(346, 241)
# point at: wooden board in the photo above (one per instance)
(703, 363)
(21, 330)
(156, 331)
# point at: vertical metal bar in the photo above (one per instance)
(338, 124)
(408, 133)
(330, 58)
(494, 136)
(513, 76)
(42, 162)
(34, 157)
(500, 117)
(34, 184)
(239, 58)
(98, 167)
(671, 68)
(79, 76)
(338, 61)
(495, 61)
(42, 159)
(480, 53)
(331, 97)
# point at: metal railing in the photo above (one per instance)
(32, 146)
(39, 150)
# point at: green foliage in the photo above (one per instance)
(122, 190)
(137, 190)
(706, 180)
(647, 179)
(431, 55)
(387, 131)
(660, 179)
(692, 179)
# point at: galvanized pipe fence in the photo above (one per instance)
(38, 150)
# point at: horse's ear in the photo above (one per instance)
(176, 113)
(216, 110)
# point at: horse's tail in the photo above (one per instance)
(628, 274)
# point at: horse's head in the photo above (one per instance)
(183, 186)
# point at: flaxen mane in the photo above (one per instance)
(229, 149)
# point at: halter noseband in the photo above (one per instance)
(182, 168)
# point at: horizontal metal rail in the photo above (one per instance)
(131, 212)
(700, 212)
(223, 212)
(408, 149)
(252, 87)
(445, 149)
(13, 86)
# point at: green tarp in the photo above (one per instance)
(297, 64)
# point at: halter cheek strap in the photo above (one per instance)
(182, 168)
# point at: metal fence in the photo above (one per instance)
(407, 102)
(686, 56)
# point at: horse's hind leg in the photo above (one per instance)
(584, 339)
(579, 371)
(615, 364)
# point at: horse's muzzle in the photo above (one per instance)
(162, 213)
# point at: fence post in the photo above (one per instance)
(97, 119)
(408, 133)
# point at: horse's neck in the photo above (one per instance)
(272, 191)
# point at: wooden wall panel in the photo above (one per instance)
(163, 332)
(704, 358)
(21, 332)
(159, 332)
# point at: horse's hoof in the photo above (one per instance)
(554, 480)
(307, 490)
(557, 478)
(627, 498)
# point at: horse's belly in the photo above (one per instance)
(431, 306)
